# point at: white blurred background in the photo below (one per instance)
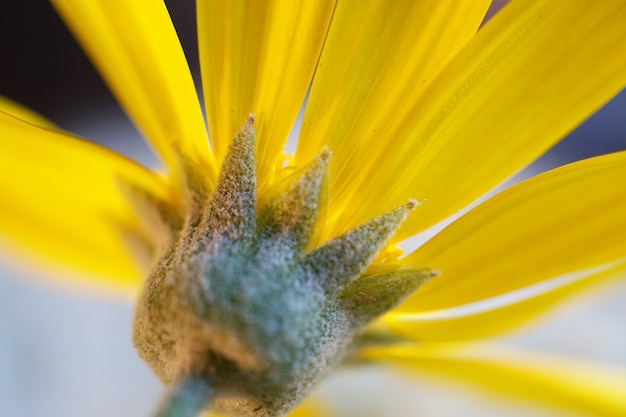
(69, 354)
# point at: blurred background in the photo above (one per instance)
(67, 354)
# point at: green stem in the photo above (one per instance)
(189, 397)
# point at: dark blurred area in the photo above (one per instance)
(45, 69)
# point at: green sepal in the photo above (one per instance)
(231, 212)
(340, 260)
(293, 205)
(378, 290)
(156, 213)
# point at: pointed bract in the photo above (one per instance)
(232, 210)
(292, 213)
(340, 260)
(379, 290)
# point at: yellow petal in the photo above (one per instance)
(565, 383)
(15, 109)
(564, 221)
(134, 46)
(62, 201)
(531, 74)
(496, 315)
(310, 408)
(379, 58)
(258, 57)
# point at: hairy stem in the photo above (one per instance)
(187, 398)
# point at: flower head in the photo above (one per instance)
(265, 272)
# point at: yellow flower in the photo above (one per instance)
(413, 103)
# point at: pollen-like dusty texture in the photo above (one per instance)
(240, 300)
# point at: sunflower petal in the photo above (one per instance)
(62, 201)
(21, 112)
(310, 408)
(134, 46)
(377, 53)
(564, 221)
(258, 57)
(531, 74)
(564, 383)
(497, 315)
